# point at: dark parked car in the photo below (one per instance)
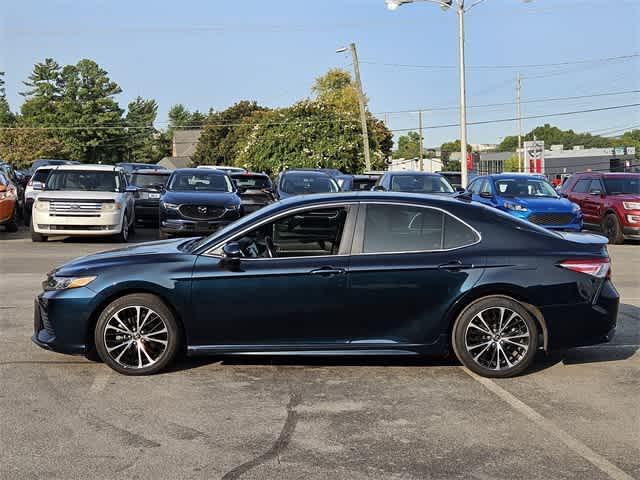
(610, 202)
(346, 273)
(150, 186)
(198, 201)
(365, 181)
(255, 190)
(129, 167)
(414, 182)
(454, 178)
(303, 182)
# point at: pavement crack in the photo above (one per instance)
(278, 446)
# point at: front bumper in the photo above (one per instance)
(631, 233)
(179, 226)
(147, 211)
(99, 224)
(61, 320)
(574, 224)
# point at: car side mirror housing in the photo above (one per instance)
(486, 195)
(131, 189)
(378, 188)
(231, 254)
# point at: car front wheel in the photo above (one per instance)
(137, 335)
(495, 336)
(612, 229)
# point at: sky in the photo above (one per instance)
(213, 53)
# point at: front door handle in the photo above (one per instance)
(327, 271)
(453, 266)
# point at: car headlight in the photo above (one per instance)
(40, 205)
(65, 283)
(631, 205)
(169, 206)
(515, 207)
(111, 207)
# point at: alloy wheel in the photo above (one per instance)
(136, 337)
(497, 338)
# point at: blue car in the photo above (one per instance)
(529, 197)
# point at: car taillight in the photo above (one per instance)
(597, 267)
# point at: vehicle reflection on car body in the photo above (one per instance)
(347, 273)
(198, 201)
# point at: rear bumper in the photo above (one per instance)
(147, 212)
(583, 324)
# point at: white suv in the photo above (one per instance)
(84, 200)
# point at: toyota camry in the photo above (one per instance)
(344, 274)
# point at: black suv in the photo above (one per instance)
(150, 186)
(198, 201)
(304, 181)
(255, 190)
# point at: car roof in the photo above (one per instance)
(305, 170)
(414, 173)
(248, 174)
(608, 174)
(151, 171)
(383, 197)
(514, 175)
(88, 167)
(200, 171)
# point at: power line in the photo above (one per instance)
(507, 67)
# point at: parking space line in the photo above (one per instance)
(574, 444)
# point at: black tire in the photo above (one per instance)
(488, 364)
(12, 225)
(612, 229)
(37, 237)
(123, 236)
(26, 216)
(123, 305)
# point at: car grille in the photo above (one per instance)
(550, 218)
(59, 207)
(202, 212)
(96, 228)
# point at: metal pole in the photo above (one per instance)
(421, 141)
(363, 114)
(519, 117)
(463, 97)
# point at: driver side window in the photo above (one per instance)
(303, 234)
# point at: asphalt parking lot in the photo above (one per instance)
(574, 415)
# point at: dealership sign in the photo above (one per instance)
(534, 156)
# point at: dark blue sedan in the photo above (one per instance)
(529, 197)
(343, 273)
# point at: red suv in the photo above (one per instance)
(609, 202)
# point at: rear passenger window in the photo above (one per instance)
(403, 228)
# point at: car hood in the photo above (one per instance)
(143, 253)
(201, 198)
(77, 194)
(542, 204)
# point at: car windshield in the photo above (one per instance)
(420, 184)
(524, 187)
(84, 180)
(616, 186)
(147, 180)
(252, 181)
(302, 183)
(41, 175)
(200, 182)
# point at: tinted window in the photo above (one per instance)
(41, 175)
(595, 186)
(201, 181)
(475, 186)
(524, 187)
(303, 183)
(457, 234)
(84, 180)
(147, 179)
(252, 181)
(401, 228)
(582, 186)
(360, 184)
(486, 187)
(308, 233)
(420, 184)
(622, 185)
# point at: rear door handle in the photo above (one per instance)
(327, 271)
(453, 266)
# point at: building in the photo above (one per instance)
(185, 142)
(172, 163)
(413, 164)
(558, 161)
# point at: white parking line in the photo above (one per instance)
(574, 444)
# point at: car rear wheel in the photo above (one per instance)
(495, 337)
(37, 237)
(612, 229)
(137, 335)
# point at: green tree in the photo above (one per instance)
(217, 143)
(43, 94)
(6, 117)
(511, 164)
(446, 150)
(181, 117)
(555, 136)
(408, 146)
(142, 139)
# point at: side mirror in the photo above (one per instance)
(37, 185)
(486, 194)
(378, 188)
(460, 189)
(231, 255)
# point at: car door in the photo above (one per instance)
(291, 299)
(592, 201)
(408, 264)
(578, 192)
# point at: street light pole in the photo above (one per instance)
(463, 98)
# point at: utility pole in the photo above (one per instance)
(463, 97)
(519, 117)
(363, 113)
(421, 141)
